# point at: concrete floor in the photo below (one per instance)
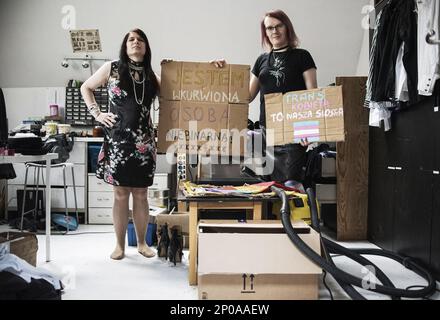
(81, 260)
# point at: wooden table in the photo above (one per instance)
(223, 203)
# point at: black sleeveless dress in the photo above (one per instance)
(128, 154)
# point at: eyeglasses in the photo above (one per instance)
(273, 28)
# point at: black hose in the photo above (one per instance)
(343, 277)
(349, 289)
(313, 208)
(379, 274)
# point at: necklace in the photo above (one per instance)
(138, 81)
(138, 101)
(277, 61)
(279, 49)
(138, 66)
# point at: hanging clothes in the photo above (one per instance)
(398, 25)
(429, 54)
(379, 111)
(393, 61)
(401, 92)
(369, 87)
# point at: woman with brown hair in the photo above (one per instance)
(127, 159)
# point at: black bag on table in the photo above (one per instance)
(60, 144)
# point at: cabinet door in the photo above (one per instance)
(416, 124)
(379, 147)
(412, 214)
(78, 153)
(413, 150)
(435, 227)
(380, 206)
(389, 157)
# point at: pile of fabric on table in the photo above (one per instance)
(259, 190)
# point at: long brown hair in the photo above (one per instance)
(123, 64)
(292, 38)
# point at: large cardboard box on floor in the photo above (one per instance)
(176, 219)
(316, 114)
(203, 109)
(255, 260)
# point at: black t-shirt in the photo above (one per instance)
(281, 72)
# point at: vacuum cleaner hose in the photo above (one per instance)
(347, 280)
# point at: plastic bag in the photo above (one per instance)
(60, 144)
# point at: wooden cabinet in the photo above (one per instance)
(352, 163)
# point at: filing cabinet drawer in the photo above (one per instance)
(100, 216)
(101, 199)
(104, 200)
(96, 184)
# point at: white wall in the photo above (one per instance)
(31, 103)
(33, 41)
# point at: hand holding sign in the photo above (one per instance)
(306, 116)
(166, 61)
(203, 105)
(219, 63)
(304, 142)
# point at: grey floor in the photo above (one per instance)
(81, 260)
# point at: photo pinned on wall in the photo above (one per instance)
(85, 40)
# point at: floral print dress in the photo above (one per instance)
(128, 154)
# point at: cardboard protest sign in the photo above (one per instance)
(201, 106)
(315, 114)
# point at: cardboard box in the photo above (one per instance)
(181, 220)
(316, 114)
(255, 260)
(23, 244)
(202, 106)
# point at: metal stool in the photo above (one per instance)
(37, 169)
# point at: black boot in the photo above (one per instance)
(164, 242)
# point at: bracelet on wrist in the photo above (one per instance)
(94, 110)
